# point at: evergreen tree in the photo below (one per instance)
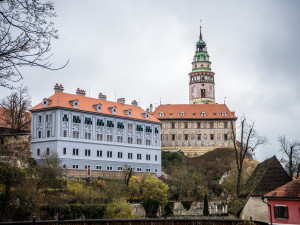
(205, 208)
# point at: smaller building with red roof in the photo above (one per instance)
(284, 204)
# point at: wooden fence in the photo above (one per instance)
(144, 222)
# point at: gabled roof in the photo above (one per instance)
(193, 111)
(267, 176)
(289, 190)
(61, 99)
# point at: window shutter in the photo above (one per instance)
(275, 212)
(286, 212)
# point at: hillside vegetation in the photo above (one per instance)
(192, 178)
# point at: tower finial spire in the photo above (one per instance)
(200, 29)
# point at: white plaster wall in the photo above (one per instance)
(256, 209)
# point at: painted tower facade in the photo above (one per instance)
(202, 85)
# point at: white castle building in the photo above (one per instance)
(94, 137)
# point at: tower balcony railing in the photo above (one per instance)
(202, 81)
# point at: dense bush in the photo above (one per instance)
(187, 204)
(151, 207)
(169, 209)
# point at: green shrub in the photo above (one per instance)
(118, 210)
(169, 209)
(94, 211)
(187, 204)
(151, 207)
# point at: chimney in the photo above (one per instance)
(101, 96)
(58, 88)
(151, 108)
(80, 92)
(147, 110)
(121, 100)
(134, 102)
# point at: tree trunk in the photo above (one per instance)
(238, 184)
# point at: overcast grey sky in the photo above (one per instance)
(143, 50)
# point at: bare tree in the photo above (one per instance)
(15, 113)
(291, 151)
(25, 37)
(246, 143)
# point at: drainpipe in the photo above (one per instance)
(269, 206)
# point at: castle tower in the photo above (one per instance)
(202, 85)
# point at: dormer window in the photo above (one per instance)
(113, 109)
(146, 115)
(203, 113)
(182, 113)
(98, 107)
(46, 102)
(128, 112)
(161, 114)
(224, 113)
(75, 103)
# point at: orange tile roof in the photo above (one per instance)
(193, 111)
(289, 190)
(61, 99)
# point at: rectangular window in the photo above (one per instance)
(75, 151)
(87, 135)
(120, 139)
(88, 121)
(129, 155)
(120, 168)
(156, 143)
(130, 126)
(109, 138)
(212, 137)
(199, 136)
(186, 125)
(120, 125)
(211, 125)
(98, 167)
(65, 166)
(130, 140)
(87, 152)
(173, 125)
(281, 212)
(155, 170)
(76, 119)
(166, 137)
(120, 155)
(139, 141)
(110, 123)
(198, 125)
(109, 168)
(148, 129)
(148, 142)
(138, 169)
(38, 151)
(156, 130)
(64, 151)
(39, 134)
(109, 154)
(225, 124)
(75, 134)
(99, 153)
(87, 167)
(148, 157)
(48, 133)
(186, 137)
(65, 118)
(65, 134)
(173, 137)
(148, 170)
(226, 137)
(139, 156)
(155, 157)
(40, 119)
(47, 118)
(139, 128)
(100, 137)
(75, 167)
(48, 151)
(100, 123)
